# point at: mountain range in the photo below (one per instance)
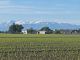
(37, 25)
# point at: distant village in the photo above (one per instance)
(18, 29)
(47, 32)
(61, 31)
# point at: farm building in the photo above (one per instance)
(24, 31)
(76, 32)
(66, 31)
(27, 32)
(43, 32)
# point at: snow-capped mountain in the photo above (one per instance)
(37, 25)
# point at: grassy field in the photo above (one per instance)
(39, 47)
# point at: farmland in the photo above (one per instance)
(39, 47)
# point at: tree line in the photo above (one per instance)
(18, 28)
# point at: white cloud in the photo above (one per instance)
(59, 12)
(16, 7)
(27, 2)
(29, 11)
(43, 12)
(60, 5)
(4, 2)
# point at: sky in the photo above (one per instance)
(61, 11)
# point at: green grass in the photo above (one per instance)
(51, 47)
(38, 35)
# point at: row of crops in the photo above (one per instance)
(40, 48)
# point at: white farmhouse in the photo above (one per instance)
(43, 32)
(27, 32)
(24, 31)
(66, 31)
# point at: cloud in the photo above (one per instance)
(27, 2)
(19, 9)
(42, 12)
(4, 2)
(16, 7)
(28, 10)
(54, 12)
(24, 11)
(60, 5)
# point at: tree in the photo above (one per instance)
(50, 31)
(30, 30)
(12, 27)
(16, 27)
(19, 28)
(46, 29)
(57, 31)
(6, 32)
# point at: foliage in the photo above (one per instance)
(30, 30)
(15, 27)
(46, 29)
(57, 31)
(6, 32)
(53, 32)
(1, 31)
(50, 31)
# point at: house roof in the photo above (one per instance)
(66, 30)
(77, 31)
(43, 31)
(24, 30)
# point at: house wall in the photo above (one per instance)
(24, 32)
(67, 32)
(41, 32)
(10, 32)
(46, 32)
(63, 32)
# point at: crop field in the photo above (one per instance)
(39, 47)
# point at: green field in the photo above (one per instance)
(39, 47)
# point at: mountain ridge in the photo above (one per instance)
(38, 25)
